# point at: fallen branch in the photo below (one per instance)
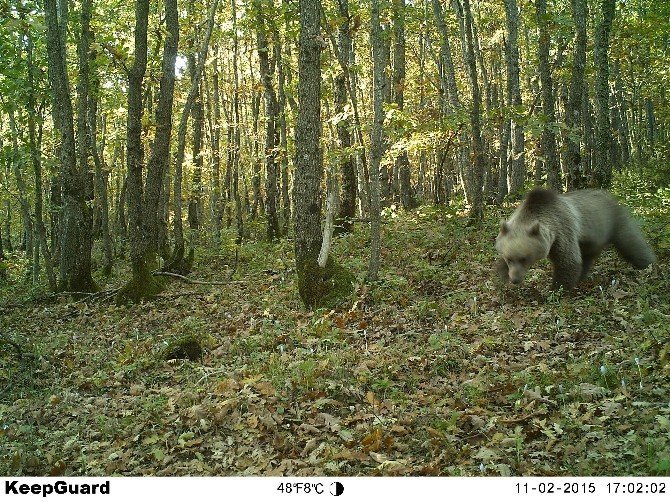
(206, 283)
(191, 281)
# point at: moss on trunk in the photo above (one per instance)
(323, 287)
(143, 286)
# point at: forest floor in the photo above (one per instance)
(434, 370)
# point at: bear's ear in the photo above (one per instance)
(534, 230)
(504, 228)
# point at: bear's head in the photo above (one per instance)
(520, 246)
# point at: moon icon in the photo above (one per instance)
(336, 489)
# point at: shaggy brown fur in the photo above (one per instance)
(570, 229)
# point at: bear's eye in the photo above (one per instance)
(523, 260)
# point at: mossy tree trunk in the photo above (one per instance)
(75, 254)
(317, 285)
(144, 201)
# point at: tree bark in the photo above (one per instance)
(402, 162)
(308, 159)
(180, 263)
(272, 121)
(477, 168)
(602, 166)
(377, 141)
(344, 221)
(548, 142)
(236, 132)
(217, 213)
(316, 284)
(517, 166)
(576, 174)
(75, 255)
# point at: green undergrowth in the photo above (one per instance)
(436, 369)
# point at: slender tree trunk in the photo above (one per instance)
(451, 105)
(100, 182)
(548, 143)
(283, 138)
(217, 212)
(4, 179)
(478, 165)
(344, 222)
(517, 167)
(24, 205)
(236, 132)
(258, 205)
(377, 140)
(402, 162)
(651, 123)
(621, 107)
(179, 263)
(576, 173)
(272, 122)
(602, 166)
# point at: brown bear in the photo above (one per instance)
(571, 229)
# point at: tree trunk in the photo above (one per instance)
(308, 160)
(621, 106)
(180, 263)
(141, 269)
(344, 222)
(144, 200)
(476, 176)
(548, 142)
(576, 173)
(100, 178)
(236, 131)
(35, 148)
(377, 140)
(517, 166)
(195, 195)
(402, 162)
(450, 107)
(272, 121)
(217, 213)
(283, 135)
(602, 166)
(24, 205)
(258, 205)
(75, 255)
(316, 284)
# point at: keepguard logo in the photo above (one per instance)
(56, 488)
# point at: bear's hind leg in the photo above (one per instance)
(631, 244)
(587, 261)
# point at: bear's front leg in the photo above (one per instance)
(502, 269)
(566, 273)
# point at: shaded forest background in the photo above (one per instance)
(178, 181)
